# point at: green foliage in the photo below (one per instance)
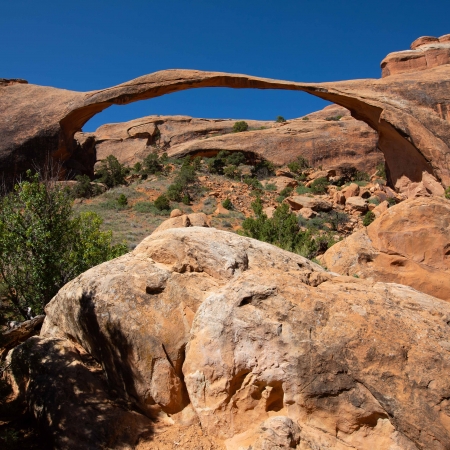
(150, 208)
(301, 189)
(235, 158)
(224, 159)
(374, 201)
(111, 172)
(362, 176)
(319, 186)
(368, 218)
(137, 167)
(253, 183)
(227, 204)
(333, 118)
(84, 189)
(182, 188)
(305, 118)
(42, 246)
(298, 165)
(263, 168)
(391, 201)
(381, 170)
(280, 119)
(447, 193)
(286, 192)
(152, 165)
(232, 172)
(336, 219)
(162, 203)
(283, 230)
(270, 187)
(240, 126)
(122, 200)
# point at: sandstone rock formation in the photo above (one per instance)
(321, 141)
(261, 346)
(426, 52)
(414, 135)
(408, 244)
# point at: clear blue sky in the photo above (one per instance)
(87, 45)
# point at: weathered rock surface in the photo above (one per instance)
(302, 201)
(184, 221)
(268, 349)
(408, 244)
(426, 52)
(414, 134)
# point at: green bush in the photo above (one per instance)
(240, 126)
(270, 187)
(305, 118)
(182, 189)
(301, 189)
(144, 207)
(253, 183)
(232, 172)
(362, 176)
(391, 201)
(137, 168)
(122, 200)
(43, 245)
(223, 159)
(235, 159)
(368, 218)
(298, 165)
(381, 170)
(263, 168)
(162, 203)
(84, 189)
(333, 118)
(286, 192)
(111, 172)
(280, 119)
(447, 193)
(227, 204)
(319, 186)
(152, 165)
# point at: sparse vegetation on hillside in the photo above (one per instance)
(240, 126)
(280, 119)
(111, 172)
(299, 165)
(447, 193)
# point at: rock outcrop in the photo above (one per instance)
(408, 244)
(261, 346)
(414, 134)
(320, 137)
(426, 52)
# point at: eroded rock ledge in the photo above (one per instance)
(259, 346)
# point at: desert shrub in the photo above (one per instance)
(280, 119)
(196, 163)
(336, 219)
(263, 168)
(144, 207)
(319, 185)
(122, 200)
(183, 187)
(270, 187)
(227, 204)
(333, 118)
(235, 158)
(232, 172)
(137, 167)
(381, 170)
(447, 193)
(162, 203)
(240, 126)
(374, 201)
(253, 183)
(298, 165)
(305, 118)
(111, 172)
(286, 192)
(348, 171)
(224, 158)
(369, 217)
(84, 189)
(301, 189)
(152, 165)
(362, 176)
(43, 245)
(391, 201)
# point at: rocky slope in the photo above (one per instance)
(244, 344)
(414, 134)
(328, 137)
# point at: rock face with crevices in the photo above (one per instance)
(409, 244)
(410, 112)
(263, 347)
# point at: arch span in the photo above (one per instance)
(410, 112)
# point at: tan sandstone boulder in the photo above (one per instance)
(302, 201)
(408, 244)
(178, 220)
(268, 349)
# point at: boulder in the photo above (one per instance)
(307, 213)
(356, 204)
(350, 191)
(176, 213)
(409, 243)
(315, 203)
(265, 348)
(282, 182)
(183, 221)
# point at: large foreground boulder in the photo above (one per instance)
(264, 348)
(408, 244)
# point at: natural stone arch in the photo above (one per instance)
(408, 111)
